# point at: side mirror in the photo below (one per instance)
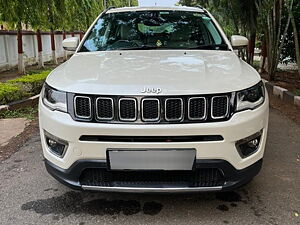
(70, 44)
(238, 41)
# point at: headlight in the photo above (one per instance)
(250, 98)
(54, 99)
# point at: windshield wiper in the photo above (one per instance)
(212, 47)
(143, 47)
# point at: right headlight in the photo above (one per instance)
(250, 98)
(54, 99)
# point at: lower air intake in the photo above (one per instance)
(208, 177)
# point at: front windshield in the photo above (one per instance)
(153, 30)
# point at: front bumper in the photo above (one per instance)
(221, 154)
(234, 178)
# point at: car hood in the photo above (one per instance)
(174, 72)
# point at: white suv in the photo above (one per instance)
(154, 100)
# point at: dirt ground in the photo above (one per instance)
(16, 142)
(289, 80)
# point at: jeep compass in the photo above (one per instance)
(154, 99)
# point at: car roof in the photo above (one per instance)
(153, 8)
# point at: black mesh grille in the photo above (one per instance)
(127, 109)
(150, 110)
(104, 108)
(219, 107)
(208, 177)
(174, 109)
(83, 107)
(197, 108)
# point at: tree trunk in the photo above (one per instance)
(295, 31)
(275, 38)
(251, 48)
(65, 52)
(21, 65)
(263, 55)
(40, 49)
(54, 59)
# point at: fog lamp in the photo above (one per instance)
(56, 145)
(249, 145)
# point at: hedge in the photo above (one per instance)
(10, 93)
(31, 84)
(24, 86)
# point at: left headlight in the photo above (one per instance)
(250, 98)
(54, 99)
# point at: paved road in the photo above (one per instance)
(28, 195)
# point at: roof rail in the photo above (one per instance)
(199, 6)
(108, 8)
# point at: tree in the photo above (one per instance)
(16, 13)
(236, 17)
(296, 35)
(274, 29)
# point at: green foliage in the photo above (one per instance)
(296, 91)
(55, 14)
(30, 84)
(22, 87)
(288, 53)
(28, 113)
(10, 93)
(235, 16)
(16, 12)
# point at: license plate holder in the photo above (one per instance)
(151, 159)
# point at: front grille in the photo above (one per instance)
(82, 107)
(219, 107)
(174, 109)
(104, 108)
(203, 177)
(127, 109)
(197, 108)
(152, 109)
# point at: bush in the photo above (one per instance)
(22, 87)
(10, 93)
(31, 84)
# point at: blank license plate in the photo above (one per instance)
(167, 159)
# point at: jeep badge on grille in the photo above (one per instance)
(151, 90)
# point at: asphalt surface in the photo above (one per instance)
(28, 195)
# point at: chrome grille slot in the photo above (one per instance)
(104, 108)
(127, 109)
(174, 109)
(197, 108)
(150, 110)
(83, 108)
(220, 107)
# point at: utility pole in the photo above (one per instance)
(104, 4)
(129, 3)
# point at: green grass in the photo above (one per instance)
(36, 71)
(24, 86)
(256, 64)
(296, 91)
(31, 83)
(10, 92)
(28, 113)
